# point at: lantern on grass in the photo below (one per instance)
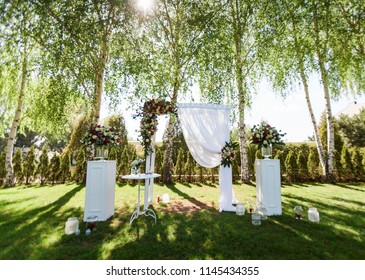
(240, 209)
(298, 210)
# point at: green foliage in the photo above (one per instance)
(358, 168)
(29, 165)
(2, 167)
(302, 166)
(123, 166)
(159, 163)
(291, 167)
(179, 166)
(322, 128)
(18, 166)
(189, 168)
(347, 166)
(313, 163)
(353, 128)
(279, 156)
(43, 165)
(54, 169)
(80, 171)
(251, 157)
(339, 171)
(65, 164)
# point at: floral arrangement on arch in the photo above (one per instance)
(228, 153)
(149, 112)
(101, 135)
(265, 135)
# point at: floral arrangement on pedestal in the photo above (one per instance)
(264, 135)
(101, 135)
(149, 112)
(228, 153)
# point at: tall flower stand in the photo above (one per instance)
(268, 185)
(100, 189)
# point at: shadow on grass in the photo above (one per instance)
(199, 235)
(353, 186)
(32, 225)
(193, 200)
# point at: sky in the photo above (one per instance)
(290, 115)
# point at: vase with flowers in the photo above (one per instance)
(101, 137)
(136, 165)
(265, 136)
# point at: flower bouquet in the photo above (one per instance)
(136, 165)
(265, 136)
(228, 154)
(101, 137)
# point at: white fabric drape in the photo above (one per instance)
(206, 129)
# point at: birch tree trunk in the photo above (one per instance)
(15, 123)
(237, 28)
(167, 176)
(99, 77)
(321, 48)
(321, 154)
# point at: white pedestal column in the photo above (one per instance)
(268, 185)
(100, 189)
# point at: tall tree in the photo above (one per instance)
(15, 20)
(161, 55)
(78, 37)
(233, 39)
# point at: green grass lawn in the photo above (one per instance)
(32, 221)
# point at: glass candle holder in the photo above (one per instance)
(313, 215)
(298, 210)
(240, 209)
(256, 219)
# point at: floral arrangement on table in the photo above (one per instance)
(101, 135)
(149, 112)
(136, 165)
(265, 135)
(228, 153)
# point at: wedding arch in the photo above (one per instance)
(206, 131)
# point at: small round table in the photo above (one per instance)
(146, 211)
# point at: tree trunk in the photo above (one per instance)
(322, 156)
(99, 77)
(15, 123)
(168, 164)
(245, 176)
(321, 55)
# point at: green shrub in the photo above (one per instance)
(65, 164)
(80, 171)
(18, 166)
(2, 167)
(29, 165)
(313, 163)
(54, 169)
(302, 166)
(291, 167)
(358, 168)
(43, 166)
(179, 166)
(189, 168)
(347, 166)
